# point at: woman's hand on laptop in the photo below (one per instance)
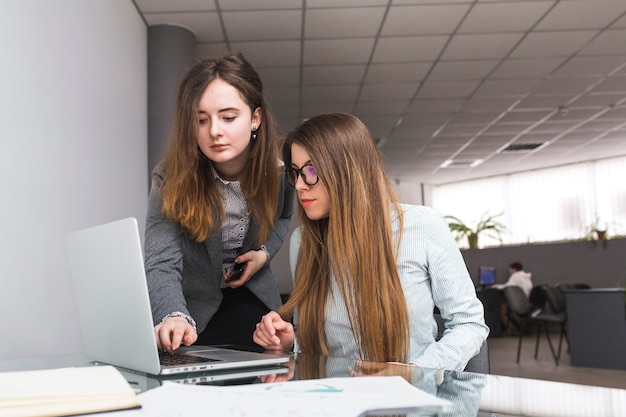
(173, 332)
(272, 332)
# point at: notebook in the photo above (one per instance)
(114, 308)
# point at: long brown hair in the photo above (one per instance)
(189, 193)
(354, 244)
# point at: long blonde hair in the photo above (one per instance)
(354, 243)
(189, 193)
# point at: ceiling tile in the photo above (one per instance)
(574, 115)
(426, 118)
(350, 22)
(552, 44)
(475, 117)
(329, 94)
(480, 46)
(277, 25)
(405, 72)
(596, 100)
(344, 3)
(503, 17)
(588, 65)
(610, 42)
(462, 70)
(498, 104)
(527, 67)
(525, 116)
(434, 105)
(150, 6)
(584, 14)
(265, 54)
(310, 109)
(511, 87)
(211, 49)
(460, 130)
(543, 101)
(388, 91)
(280, 76)
(258, 5)
(561, 86)
(408, 48)
(620, 23)
(332, 75)
(615, 84)
(447, 89)
(485, 85)
(283, 95)
(380, 107)
(423, 19)
(337, 51)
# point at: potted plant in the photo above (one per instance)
(596, 232)
(487, 225)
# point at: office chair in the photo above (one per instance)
(556, 301)
(480, 362)
(525, 310)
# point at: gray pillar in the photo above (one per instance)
(171, 51)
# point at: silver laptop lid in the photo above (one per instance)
(112, 296)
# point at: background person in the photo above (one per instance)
(518, 277)
(218, 199)
(369, 270)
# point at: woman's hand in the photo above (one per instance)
(173, 332)
(254, 260)
(272, 332)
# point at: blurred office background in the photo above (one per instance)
(513, 107)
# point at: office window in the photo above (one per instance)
(543, 205)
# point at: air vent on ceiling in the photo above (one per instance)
(522, 147)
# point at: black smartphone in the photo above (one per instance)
(235, 272)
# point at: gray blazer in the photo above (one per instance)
(184, 275)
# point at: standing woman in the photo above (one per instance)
(369, 270)
(219, 203)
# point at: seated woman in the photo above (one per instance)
(369, 270)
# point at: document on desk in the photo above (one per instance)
(305, 398)
(64, 392)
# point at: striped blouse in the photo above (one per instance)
(433, 273)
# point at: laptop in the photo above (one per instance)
(114, 308)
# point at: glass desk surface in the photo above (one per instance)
(471, 394)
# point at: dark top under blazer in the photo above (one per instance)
(185, 275)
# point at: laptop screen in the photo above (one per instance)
(486, 275)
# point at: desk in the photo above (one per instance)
(472, 394)
(596, 321)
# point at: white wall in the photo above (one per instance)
(73, 153)
(409, 192)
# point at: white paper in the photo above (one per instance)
(316, 397)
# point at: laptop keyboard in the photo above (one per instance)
(176, 359)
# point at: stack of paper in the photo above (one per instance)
(316, 397)
(65, 391)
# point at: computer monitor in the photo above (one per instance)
(486, 275)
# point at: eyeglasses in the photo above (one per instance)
(307, 172)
